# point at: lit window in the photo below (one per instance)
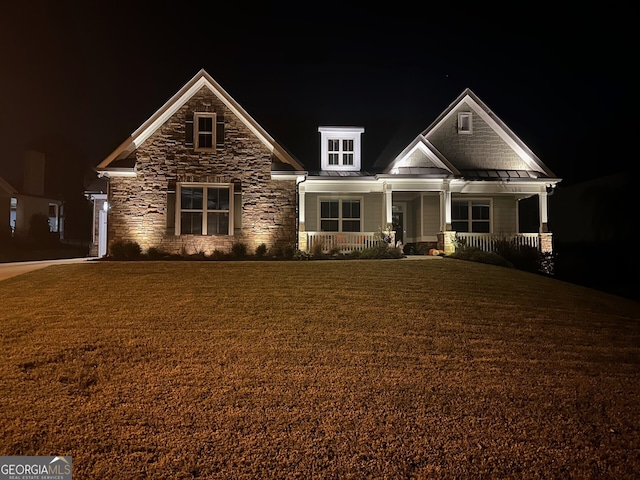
(340, 215)
(341, 148)
(465, 124)
(205, 209)
(471, 216)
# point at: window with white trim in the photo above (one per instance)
(465, 123)
(340, 148)
(204, 131)
(204, 209)
(471, 216)
(340, 215)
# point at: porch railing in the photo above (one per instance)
(487, 242)
(343, 242)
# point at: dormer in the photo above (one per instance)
(340, 148)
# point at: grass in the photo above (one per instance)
(362, 369)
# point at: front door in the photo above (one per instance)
(397, 218)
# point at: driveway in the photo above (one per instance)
(12, 269)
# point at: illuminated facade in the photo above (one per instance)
(201, 174)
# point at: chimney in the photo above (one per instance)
(34, 173)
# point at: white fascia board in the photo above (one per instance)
(288, 175)
(498, 187)
(116, 173)
(412, 184)
(362, 185)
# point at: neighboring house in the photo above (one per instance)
(201, 174)
(17, 207)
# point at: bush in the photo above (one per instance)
(155, 253)
(382, 250)
(523, 257)
(474, 254)
(261, 250)
(239, 250)
(125, 250)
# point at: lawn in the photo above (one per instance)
(357, 369)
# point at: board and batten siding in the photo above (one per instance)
(430, 217)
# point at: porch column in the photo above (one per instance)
(302, 234)
(543, 206)
(388, 204)
(445, 210)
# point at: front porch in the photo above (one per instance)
(345, 242)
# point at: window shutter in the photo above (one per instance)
(188, 131)
(219, 130)
(237, 208)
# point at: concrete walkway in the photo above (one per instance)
(12, 269)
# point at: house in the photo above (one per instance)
(201, 174)
(17, 207)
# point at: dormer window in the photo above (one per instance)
(340, 148)
(465, 125)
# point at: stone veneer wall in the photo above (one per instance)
(482, 149)
(138, 206)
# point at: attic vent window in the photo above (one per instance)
(465, 125)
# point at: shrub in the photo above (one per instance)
(239, 250)
(475, 254)
(155, 253)
(125, 250)
(261, 250)
(317, 250)
(382, 250)
(218, 255)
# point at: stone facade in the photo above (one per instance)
(142, 208)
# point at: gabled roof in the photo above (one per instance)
(201, 79)
(479, 107)
(428, 158)
(6, 188)
(433, 158)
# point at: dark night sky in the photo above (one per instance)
(85, 74)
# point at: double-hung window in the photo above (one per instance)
(471, 216)
(205, 209)
(204, 135)
(340, 215)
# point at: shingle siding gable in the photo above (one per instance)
(483, 149)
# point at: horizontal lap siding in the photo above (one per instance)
(504, 215)
(430, 215)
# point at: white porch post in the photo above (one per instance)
(388, 203)
(445, 209)
(302, 235)
(446, 236)
(544, 215)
